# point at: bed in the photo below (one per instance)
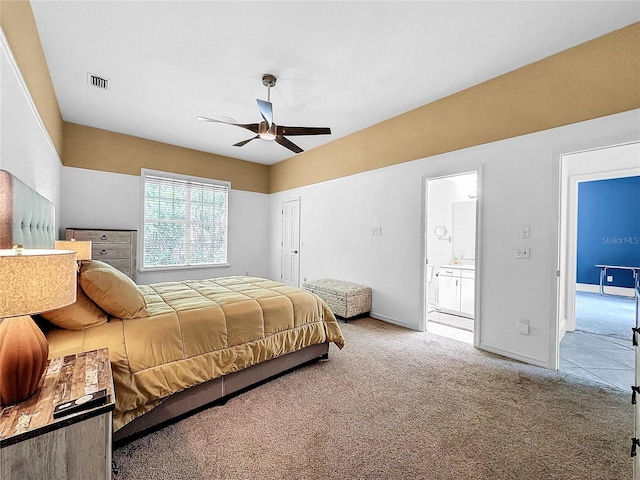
(175, 346)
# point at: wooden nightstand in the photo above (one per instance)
(34, 445)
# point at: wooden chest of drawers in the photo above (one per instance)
(115, 247)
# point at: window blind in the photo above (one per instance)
(185, 221)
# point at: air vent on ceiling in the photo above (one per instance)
(97, 81)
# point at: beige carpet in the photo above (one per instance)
(398, 404)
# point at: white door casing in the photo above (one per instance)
(291, 242)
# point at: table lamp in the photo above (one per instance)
(31, 281)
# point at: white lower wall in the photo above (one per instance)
(94, 199)
(26, 149)
(520, 186)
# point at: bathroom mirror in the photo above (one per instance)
(440, 230)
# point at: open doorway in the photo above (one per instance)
(600, 226)
(450, 237)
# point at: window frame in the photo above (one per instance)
(144, 172)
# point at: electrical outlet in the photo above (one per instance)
(523, 326)
(609, 278)
(523, 252)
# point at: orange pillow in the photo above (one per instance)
(81, 314)
(112, 290)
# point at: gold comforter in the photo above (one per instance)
(199, 330)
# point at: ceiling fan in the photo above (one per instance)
(267, 130)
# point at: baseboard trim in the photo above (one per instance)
(394, 321)
(515, 356)
(621, 291)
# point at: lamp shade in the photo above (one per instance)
(82, 248)
(36, 281)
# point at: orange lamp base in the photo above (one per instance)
(23, 359)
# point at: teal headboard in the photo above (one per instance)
(26, 217)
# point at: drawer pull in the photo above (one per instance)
(103, 252)
(103, 237)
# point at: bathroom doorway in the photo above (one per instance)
(450, 246)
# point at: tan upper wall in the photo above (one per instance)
(97, 149)
(19, 27)
(594, 79)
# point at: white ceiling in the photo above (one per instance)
(345, 65)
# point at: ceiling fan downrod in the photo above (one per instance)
(269, 80)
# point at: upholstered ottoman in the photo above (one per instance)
(345, 299)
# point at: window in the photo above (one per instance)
(184, 221)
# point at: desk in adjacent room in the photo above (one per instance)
(603, 273)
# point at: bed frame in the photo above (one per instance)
(217, 391)
(27, 218)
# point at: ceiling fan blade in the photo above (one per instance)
(280, 130)
(285, 142)
(249, 126)
(244, 142)
(266, 110)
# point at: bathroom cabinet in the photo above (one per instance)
(456, 290)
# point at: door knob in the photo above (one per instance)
(294, 251)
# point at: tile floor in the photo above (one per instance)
(451, 326)
(603, 359)
(450, 332)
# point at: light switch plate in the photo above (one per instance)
(525, 231)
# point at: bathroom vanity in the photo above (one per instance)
(457, 287)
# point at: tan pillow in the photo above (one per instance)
(112, 290)
(82, 314)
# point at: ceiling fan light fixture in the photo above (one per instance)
(266, 133)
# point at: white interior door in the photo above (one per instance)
(291, 242)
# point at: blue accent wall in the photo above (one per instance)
(608, 229)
